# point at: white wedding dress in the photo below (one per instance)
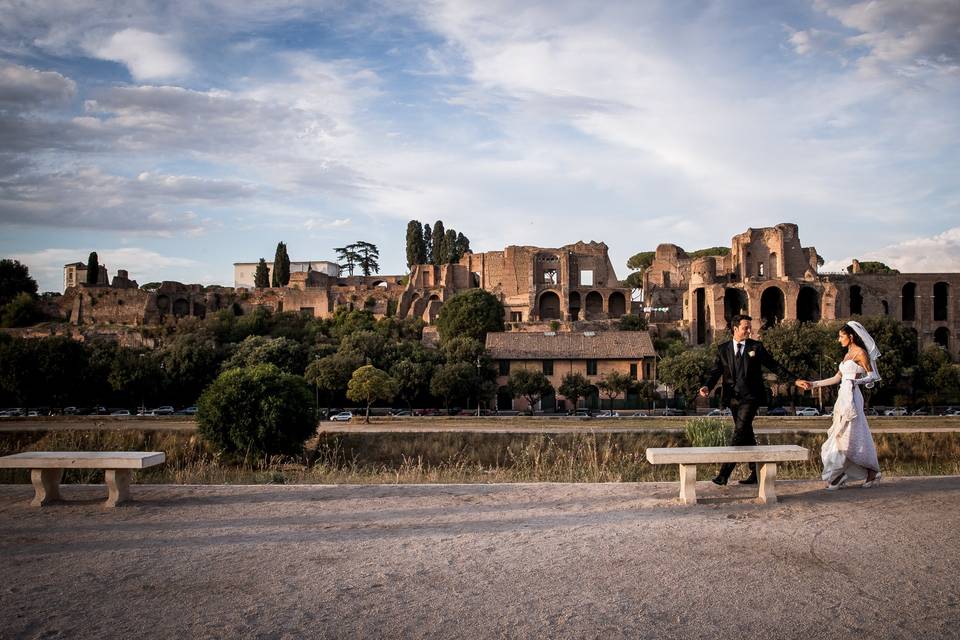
(849, 446)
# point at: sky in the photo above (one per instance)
(178, 137)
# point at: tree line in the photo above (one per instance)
(434, 245)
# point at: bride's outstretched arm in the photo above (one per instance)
(827, 382)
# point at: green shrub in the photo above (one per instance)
(709, 432)
(258, 410)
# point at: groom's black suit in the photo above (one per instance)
(743, 389)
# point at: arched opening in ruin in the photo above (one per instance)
(574, 305)
(942, 337)
(475, 277)
(941, 296)
(808, 305)
(434, 297)
(504, 400)
(700, 300)
(772, 304)
(856, 301)
(594, 305)
(199, 310)
(163, 304)
(181, 308)
(734, 302)
(617, 305)
(772, 272)
(549, 307)
(908, 302)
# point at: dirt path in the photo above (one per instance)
(484, 561)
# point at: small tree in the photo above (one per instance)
(22, 311)
(14, 279)
(574, 386)
(331, 374)
(530, 385)
(686, 371)
(370, 384)
(281, 266)
(454, 380)
(413, 378)
(93, 268)
(256, 411)
(261, 279)
(615, 384)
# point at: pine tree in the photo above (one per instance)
(416, 248)
(93, 268)
(368, 256)
(347, 258)
(450, 246)
(428, 244)
(281, 266)
(439, 235)
(261, 280)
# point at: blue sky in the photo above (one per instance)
(175, 138)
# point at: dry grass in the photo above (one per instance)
(459, 457)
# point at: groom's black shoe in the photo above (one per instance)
(750, 480)
(720, 480)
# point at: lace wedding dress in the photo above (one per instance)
(849, 446)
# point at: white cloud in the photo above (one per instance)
(935, 254)
(314, 223)
(148, 56)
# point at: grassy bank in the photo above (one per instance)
(452, 457)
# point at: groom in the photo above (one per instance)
(739, 362)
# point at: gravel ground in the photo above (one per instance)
(484, 561)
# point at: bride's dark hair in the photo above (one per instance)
(853, 335)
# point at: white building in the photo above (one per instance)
(244, 273)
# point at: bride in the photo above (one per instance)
(849, 453)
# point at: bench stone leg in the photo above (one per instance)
(688, 483)
(118, 486)
(46, 485)
(768, 476)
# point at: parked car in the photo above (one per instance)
(951, 411)
(120, 412)
(584, 413)
(777, 411)
(922, 411)
(165, 410)
(870, 412)
(187, 411)
(828, 411)
(673, 412)
(608, 414)
(402, 413)
(896, 411)
(716, 413)
(807, 411)
(343, 416)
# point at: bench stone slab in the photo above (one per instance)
(46, 470)
(716, 455)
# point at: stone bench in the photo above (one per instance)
(46, 470)
(689, 457)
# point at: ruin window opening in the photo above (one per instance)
(942, 338)
(808, 305)
(549, 276)
(701, 301)
(941, 295)
(760, 269)
(908, 302)
(771, 307)
(617, 305)
(549, 306)
(886, 307)
(856, 301)
(594, 306)
(574, 305)
(734, 302)
(516, 316)
(586, 277)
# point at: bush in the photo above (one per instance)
(257, 410)
(709, 432)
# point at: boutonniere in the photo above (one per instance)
(752, 353)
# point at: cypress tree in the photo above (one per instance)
(261, 280)
(463, 244)
(93, 268)
(281, 266)
(450, 246)
(428, 244)
(416, 248)
(439, 235)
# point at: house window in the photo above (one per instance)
(504, 367)
(633, 370)
(586, 278)
(516, 316)
(591, 367)
(548, 367)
